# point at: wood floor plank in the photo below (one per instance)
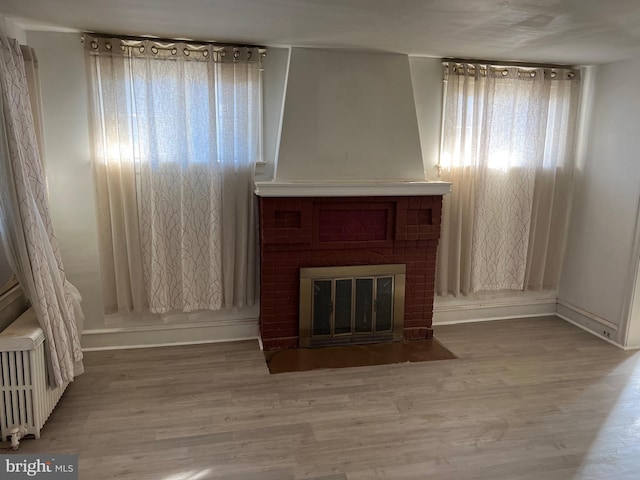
(527, 399)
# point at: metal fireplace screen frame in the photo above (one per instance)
(309, 275)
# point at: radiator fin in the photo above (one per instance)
(27, 399)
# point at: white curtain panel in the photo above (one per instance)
(175, 136)
(27, 233)
(35, 95)
(508, 148)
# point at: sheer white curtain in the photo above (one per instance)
(507, 146)
(35, 95)
(25, 222)
(175, 135)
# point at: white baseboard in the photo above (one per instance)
(590, 322)
(125, 337)
(594, 333)
(488, 307)
(491, 319)
(446, 312)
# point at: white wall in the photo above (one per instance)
(12, 30)
(600, 263)
(68, 163)
(349, 115)
(633, 327)
(426, 78)
(273, 86)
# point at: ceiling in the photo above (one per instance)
(544, 31)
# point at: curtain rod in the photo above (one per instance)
(507, 64)
(170, 40)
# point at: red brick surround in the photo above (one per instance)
(342, 231)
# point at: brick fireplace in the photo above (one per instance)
(320, 230)
(345, 185)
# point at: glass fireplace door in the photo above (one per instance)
(354, 309)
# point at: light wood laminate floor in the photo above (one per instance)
(527, 399)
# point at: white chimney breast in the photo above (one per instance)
(349, 116)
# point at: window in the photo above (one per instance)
(507, 147)
(176, 133)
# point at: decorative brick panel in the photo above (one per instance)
(352, 225)
(341, 231)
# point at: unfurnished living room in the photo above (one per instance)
(320, 240)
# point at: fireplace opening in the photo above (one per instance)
(351, 304)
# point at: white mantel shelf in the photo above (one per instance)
(372, 188)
